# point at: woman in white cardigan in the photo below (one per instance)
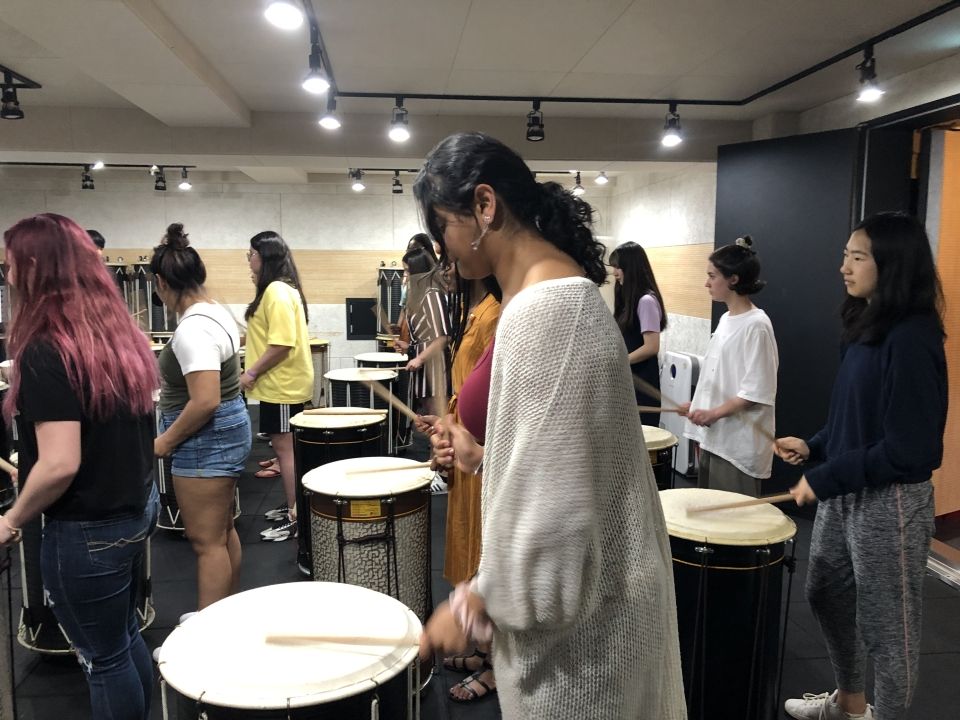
(575, 584)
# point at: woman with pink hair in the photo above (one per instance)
(82, 388)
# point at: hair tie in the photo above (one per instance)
(746, 242)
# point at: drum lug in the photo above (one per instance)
(327, 432)
(361, 431)
(703, 550)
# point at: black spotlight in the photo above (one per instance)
(86, 179)
(160, 181)
(397, 188)
(11, 106)
(535, 123)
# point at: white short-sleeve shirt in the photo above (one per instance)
(200, 343)
(741, 361)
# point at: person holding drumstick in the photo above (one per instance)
(731, 416)
(82, 382)
(574, 584)
(206, 428)
(639, 311)
(279, 371)
(429, 321)
(870, 471)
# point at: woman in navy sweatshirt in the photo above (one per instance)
(871, 471)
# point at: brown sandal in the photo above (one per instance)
(458, 663)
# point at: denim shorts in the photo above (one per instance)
(219, 448)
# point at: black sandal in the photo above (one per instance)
(461, 666)
(474, 678)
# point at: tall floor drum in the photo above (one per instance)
(662, 446)
(401, 388)
(307, 651)
(321, 437)
(728, 574)
(373, 528)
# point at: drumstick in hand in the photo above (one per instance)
(783, 497)
(7, 467)
(346, 411)
(395, 468)
(336, 639)
(652, 409)
(381, 392)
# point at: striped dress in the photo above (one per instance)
(428, 318)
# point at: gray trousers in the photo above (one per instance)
(719, 474)
(868, 557)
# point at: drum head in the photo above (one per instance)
(754, 525)
(340, 479)
(338, 422)
(658, 438)
(382, 357)
(223, 656)
(361, 375)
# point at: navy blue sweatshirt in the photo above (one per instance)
(887, 414)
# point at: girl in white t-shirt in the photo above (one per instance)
(732, 412)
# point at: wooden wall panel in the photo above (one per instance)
(681, 271)
(328, 276)
(947, 479)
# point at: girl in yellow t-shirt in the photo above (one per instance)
(279, 372)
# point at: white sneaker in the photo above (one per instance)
(821, 707)
(438, 486)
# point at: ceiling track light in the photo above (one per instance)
(356, 175)
(154, 169)
(397, 187)
(672, 132)
(399, 123)
(98, 165)
(86, 180)
(185, 183)
(870, 91)
(330, 119)
(284, 14)
(316, 82)
(159, 179)
(578, 188)
(10, 108)
(601, 179)
(535, 123)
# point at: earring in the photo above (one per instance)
(475, 243)
(486, 219)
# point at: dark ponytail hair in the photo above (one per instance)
(177, 263)
(423, 241)
(419, 261)
(638, 280)
(276, 263)
(740, 259)
(465, 160)
(461, 299)
(907, 279)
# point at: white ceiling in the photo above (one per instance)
(212, 62)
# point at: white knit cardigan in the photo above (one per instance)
(575, 567)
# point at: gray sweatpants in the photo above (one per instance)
(868, 556)
(719, 474)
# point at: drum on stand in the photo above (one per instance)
(398, 362)
(298, 650)
(728, 575)
(373, 529)
(319, 355)
(348, 388)
(322, 439)
(662, 446)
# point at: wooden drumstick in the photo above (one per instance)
(381, 392)
(8, 467)
(367, 471)
(335, 639)
(652, 409)
(783, 497)
(346, 411)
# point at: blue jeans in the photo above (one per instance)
(90, 570)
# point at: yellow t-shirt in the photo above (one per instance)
(280, 320)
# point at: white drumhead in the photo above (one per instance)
(337, 422)
(223, 655)
(340, 479)
(361, 374)
(658, 438)
(754, 525)
(382, 357)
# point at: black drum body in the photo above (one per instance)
(315, 446)
(729, 602)
(393, 699)
(401, 388)
(662, 463)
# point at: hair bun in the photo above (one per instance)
(745, 242)
(175, 238)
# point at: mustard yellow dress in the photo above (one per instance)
(462, 556)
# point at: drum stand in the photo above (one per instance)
(387, 538)
(791, 564)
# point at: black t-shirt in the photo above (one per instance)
(116, 455)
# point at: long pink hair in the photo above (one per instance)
(66, 297)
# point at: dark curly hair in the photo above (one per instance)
(461, 162)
